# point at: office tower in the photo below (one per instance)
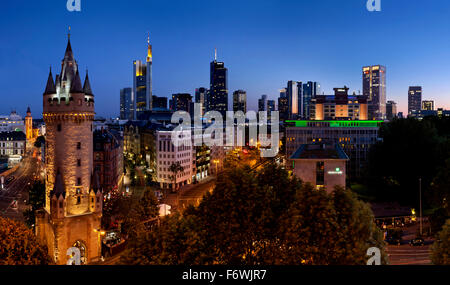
(181, 102)
(159, 102)
(414, 99)
(283, 105)
(374, 88)
(240, 101)
(218, 97)
(262, 103)
(310, 91)
(295, 99)
(391, 110)
(126, 104)
(428, 105)
(72, 213)
(142, 83)
(270, 106)
(201, 97)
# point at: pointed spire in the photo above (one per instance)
(28, 110)
(58, 187)
(87, 85)
(69, 54)
(149, 49)
(76, 84)
(215, 54)
(50, 88)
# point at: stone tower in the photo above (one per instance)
(29, 125)
(73, 204)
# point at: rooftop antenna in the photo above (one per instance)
(68, 34)
(215, 54)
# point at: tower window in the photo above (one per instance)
(78, 145)
(59, 127)
(78, 200)
(79, 181)
(79, 162)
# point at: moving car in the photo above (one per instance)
(418, 241)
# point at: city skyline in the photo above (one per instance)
(181, 60)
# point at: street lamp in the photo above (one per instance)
(100, 233)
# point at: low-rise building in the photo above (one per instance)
(12, 146)
(323, 165)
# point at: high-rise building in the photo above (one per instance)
(391, 110)
(414, 99)
(201, 97)
(270, 106)
(295, 99)
(126, 104)
(374, 88)
(283, 105)
(181, 102)
(29, 125)
(73, 198)
(218, 97)
(310, 91)
(262, 103)
(159, 102)
(142, 83)
(428, 105)
(240, 101)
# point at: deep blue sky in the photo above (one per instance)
(263, 43)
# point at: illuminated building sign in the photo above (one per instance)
(337, 171)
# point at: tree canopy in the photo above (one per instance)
(262, 217)
(18, 245)
(441, 248)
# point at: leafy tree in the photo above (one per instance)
(117, 207)
(440, 193)
(18, 245)
(264, 217)
(441, 248)
(410, 149)
(438, 219)
(142, 212)
(36, 199)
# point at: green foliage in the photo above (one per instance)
(438, 219)
(18, 245)
(262, 218)
(116, 207)
(410, 149)
(141, 212)
(441, 248)
(36, 199)
(39, 141)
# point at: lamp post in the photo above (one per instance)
(100, 233)
(420, 206)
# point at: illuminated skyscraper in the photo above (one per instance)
(218, 98)
(428, 105)
(374, 88)
(126, 104)
(414, 100)
(142, 83)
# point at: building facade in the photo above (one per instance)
(323, 165)
(12, 146)
(355, 138)
(283, 105)
(310, 91)
(159, 102)
(428, 105)
(201, 97)
(126, 104)
(374, 88)
(240, 101)
(391, 110)
(414, 100)
(13, 122)
(73, 203)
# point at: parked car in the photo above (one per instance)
(417, 242)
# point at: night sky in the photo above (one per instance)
(263, 44)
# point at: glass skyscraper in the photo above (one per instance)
(142, 83)
(414, 99)
(374, 88)
(126, 104)
(218, 97)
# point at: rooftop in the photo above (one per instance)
(319, 151)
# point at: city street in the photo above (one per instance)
(190, 194)
(406, 254)
(17, 189)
